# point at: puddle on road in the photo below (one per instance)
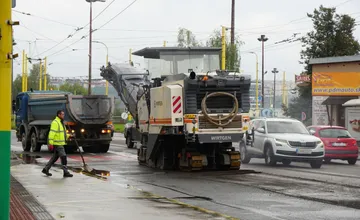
(29, 159)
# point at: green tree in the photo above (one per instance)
(33, 80)
(232, 55)
(332, 35)
(74, 88)
(186, 38)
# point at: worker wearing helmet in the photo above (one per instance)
(57, 139)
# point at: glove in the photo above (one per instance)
(51, 147)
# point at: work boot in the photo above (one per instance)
(67, 174)
(46, 172)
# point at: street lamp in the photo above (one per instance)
(90, 40)
(275, 71)
(263, 39)
(107, 61)
(257, 82)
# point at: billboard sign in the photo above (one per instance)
(302, 79)
(336, 84)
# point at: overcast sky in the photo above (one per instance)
(150, 22)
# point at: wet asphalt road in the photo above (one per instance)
(281, 192)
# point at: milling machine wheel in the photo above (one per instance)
(190, 161)
(228, 160)
(235, 160)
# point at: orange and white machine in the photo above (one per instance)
(187, 120)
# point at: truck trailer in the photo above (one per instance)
(187, 112)
(86, 117)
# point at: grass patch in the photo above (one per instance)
(119, 128)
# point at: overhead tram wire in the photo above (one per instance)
(85, 36)
(72, 34)
(116, 15)
(46, 19)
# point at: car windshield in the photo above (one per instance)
(286, 127)
(334, 133)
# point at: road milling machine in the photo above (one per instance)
(187, 113)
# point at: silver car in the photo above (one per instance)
(282, 140)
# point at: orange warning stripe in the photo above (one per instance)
(163, 121)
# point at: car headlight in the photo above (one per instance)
(280, 142)
(319, 144)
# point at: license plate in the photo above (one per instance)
(303, 151)
(339, 144)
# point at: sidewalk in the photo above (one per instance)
(86, 197)
(24, 206)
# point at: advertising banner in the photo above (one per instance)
(319, 112)
(336, 84)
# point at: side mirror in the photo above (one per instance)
(312, 132)
(261, 130)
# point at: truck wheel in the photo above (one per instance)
(104, 148)
(25, 143)
(129, 142)
(316, 164)
(35, 146)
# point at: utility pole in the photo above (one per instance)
(232, 23)
(257, 81)
(23, 72)
(26, 72)
(223, 47)
(6, 57)
(275, 71)
(262, 39)
(90, 52)
(45, 75)
(90, 42)
(40, 75)
(106, 64)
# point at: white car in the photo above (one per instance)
(282, 140)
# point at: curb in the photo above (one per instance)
(30, 206)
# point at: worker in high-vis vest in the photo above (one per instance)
(130, 119)
(57, 140)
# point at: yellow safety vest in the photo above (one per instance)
(57, 134)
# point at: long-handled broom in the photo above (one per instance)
(85, 166)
